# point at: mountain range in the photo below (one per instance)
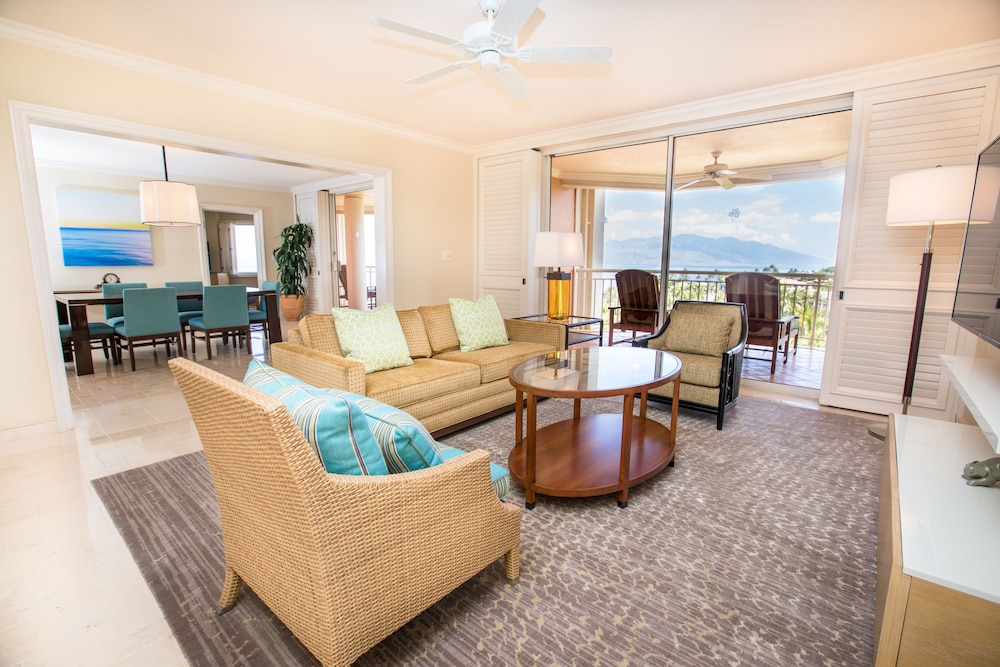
(693, 253)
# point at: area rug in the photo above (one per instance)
(757, 548)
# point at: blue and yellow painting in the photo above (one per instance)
(102, 228)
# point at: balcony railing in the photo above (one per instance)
(804, 294)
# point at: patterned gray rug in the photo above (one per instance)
(758, 548)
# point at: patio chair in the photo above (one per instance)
(342, 560)
(767, 328)
(639, 303)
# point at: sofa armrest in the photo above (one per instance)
(320, 369)
(536, 332)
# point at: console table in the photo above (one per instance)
(938, 590)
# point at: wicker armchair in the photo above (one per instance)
(342, 561)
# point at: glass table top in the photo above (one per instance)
(596, 370)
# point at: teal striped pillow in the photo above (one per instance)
(406, 445)
(334, 425)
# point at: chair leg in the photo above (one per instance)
(208, 343)
(512, 564)
(131, 354)
(249, 349)
(230, 589)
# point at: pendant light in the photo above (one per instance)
(168, 203)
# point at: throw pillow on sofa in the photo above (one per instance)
(373, 337)
(479, 324)
(335, 426)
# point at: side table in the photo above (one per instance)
(570, 323)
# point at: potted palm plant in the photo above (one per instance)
(293, 267)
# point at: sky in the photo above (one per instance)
(803, 215)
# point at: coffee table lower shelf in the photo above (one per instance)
(577, 458)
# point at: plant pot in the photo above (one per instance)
(292, 305)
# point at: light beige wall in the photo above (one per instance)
(432, 190)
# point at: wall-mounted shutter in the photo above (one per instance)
(508, 214)
(899, 130)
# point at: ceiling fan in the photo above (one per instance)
(494, 40)
(723, 175)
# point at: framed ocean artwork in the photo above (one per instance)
(102, 228)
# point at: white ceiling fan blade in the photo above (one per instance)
(689, 183)
(513, 15)
(564, 54)
(435, 73)
(417, 32)
(512, 81)
(753, 177)
(725, 182)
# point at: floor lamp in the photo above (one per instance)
(556, 250)
(926, 197)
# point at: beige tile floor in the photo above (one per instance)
(70, 593)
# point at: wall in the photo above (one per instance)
(431, 188)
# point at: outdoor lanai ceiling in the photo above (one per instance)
(665, 54)
(795, 149)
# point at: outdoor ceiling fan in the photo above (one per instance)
(723, 175)
(494, 40)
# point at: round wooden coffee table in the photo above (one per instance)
(595, 454)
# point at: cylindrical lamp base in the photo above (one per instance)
(559, 283)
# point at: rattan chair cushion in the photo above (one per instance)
(696, 333)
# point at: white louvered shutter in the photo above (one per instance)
(508, 214)
(895, 131)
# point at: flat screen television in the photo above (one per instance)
(977, 297)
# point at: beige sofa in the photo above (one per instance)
(445, 389)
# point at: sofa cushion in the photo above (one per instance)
(373, 337)
(478, 324)
(440, 329)
(334, 426)
(424, 380)
(416, 335)
(697, 333)
(499, 474)
(406, 445)
(319, 333)
(495, 363)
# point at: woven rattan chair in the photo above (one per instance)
(342, 561)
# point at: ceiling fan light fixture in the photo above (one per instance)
(168, 203)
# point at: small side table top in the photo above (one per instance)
(572, 322)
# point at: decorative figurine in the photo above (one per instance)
(982, 473)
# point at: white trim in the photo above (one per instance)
(78, 48)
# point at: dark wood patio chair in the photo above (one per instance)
(639, 303)
(767, 328)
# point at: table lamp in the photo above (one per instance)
(558, 249)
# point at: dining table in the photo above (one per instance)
(72, 309)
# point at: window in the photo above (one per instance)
(243, 248)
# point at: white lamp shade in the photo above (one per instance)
(558, 249)
(168, 203)
(940, 195)
(987, 195)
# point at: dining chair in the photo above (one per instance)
(99, 332)
(258, 316)
(113, 312)
(188, 309)
(150, 315)
(225, 312)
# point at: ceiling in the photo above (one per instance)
(327, 52)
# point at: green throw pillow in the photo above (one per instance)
(479, 324)
(373, 337)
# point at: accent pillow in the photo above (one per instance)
(334, 425)
(373, 337)
(479, 324)
(696, 333)
(406, 445)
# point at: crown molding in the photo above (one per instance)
(52, 41)
(823, 92)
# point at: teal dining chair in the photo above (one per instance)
(113, 312)
(100, 332)
(150, 315)
(225, 312)
(258, 316)
(188, 309)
